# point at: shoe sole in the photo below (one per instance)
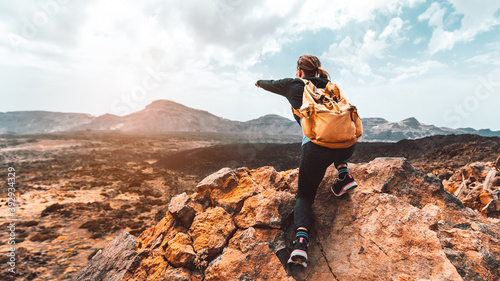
(346, 188)
(298, 257)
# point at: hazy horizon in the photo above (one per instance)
(437, 61)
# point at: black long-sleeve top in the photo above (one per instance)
(291, 88)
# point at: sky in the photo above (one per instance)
(437, 61)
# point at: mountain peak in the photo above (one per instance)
(163, 104)
(411, 122)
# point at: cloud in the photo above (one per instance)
(316, 15)
(434, 14)
(491, 58)
(476, 19)
(355, 58)
(416, 69)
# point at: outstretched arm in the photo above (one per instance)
(279, 87)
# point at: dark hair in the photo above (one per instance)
(311, 66)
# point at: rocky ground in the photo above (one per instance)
(78, 192)
(399, 224)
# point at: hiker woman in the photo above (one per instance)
(314, 159)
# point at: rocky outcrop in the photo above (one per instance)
(399, 224)
(477, 185)
(112, 262)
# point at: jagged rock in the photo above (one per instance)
(497, 163)
(148, 266)
(492, 206)
(485, 197)
(291, 178)
(399, 224)
(177, 274)
(150, 261)
(180, 251)
(181, 210)
(225, 178)
(267, 177)
(246, 258)
(152, 237)
(273, 238)
(112, 262)
(267, 209)
(496, 182)
(220, 189)
(211, 230)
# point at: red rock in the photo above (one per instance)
(291, 178)
(177, 274)
(267, 209)
(161, 230)
(182, 209)
(267, 178)
(220, 188)
(399, 224)
(211, 231)
(224, 178)
(485, 197)
(151, 267)
(180, 251)
(246, 258)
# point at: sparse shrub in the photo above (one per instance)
(134, 224)
(43, 237)
(52, 208)
(160, 214)
(96, 235)
(142, 208)
(136, 232)
(92, 225)
(28, 223)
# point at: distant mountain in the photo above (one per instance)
(267, 125)
(161, 116)
(168, 116)
(379, 129)
(36, 122)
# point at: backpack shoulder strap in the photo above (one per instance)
(296, 111)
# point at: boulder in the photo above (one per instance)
(267, 177)
(211, 231)
(182, 209)
(180, 251)
(177, 274)
(112, 262)
(267, 209)
(246, 258)
(220, 188)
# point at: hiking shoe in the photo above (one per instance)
(341, 186)
(299, 253)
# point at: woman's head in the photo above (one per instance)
(311, 67)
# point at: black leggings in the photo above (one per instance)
(314, 160)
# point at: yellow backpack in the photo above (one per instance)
(328, 119)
